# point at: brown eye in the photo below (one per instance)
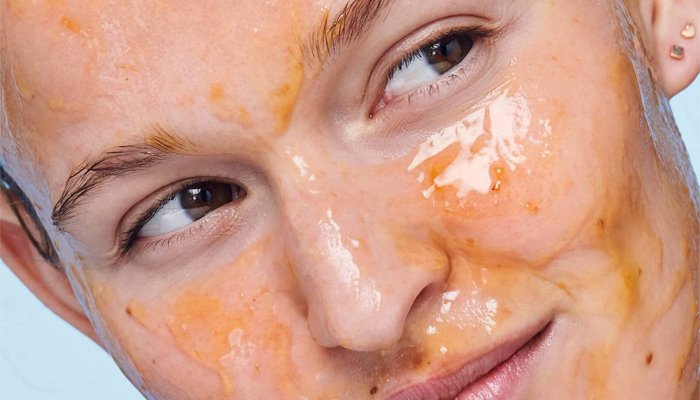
(429, 63)
(447, 52)
(202, 198)
(189, 205)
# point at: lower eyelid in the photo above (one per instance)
(427, 91)
(205, 227)
(129, 239)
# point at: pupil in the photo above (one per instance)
(447, 52)
(446, 49)
(204, 197)
(195, 198)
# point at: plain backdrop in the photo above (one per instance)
(43, 358)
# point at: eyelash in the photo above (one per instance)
(477, 33)
(128, 238)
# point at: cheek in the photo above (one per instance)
(493, 176)
(536, 166)
(476, 306)
(209, 337)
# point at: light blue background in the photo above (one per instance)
(43, 358)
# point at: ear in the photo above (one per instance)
(48, 283)
(665, 22)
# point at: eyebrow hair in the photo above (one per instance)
(355, 19)
(119, 161)
(169, 142)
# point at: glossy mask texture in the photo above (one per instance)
(500, 126)
(380, 246)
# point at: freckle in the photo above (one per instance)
(216, 92)
(532, 207)
(136, 311)
(417, 360)
(650, 357)
(243, 115)
(600, 223)
(373, 390)
(70, 24)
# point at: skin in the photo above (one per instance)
(322, 283)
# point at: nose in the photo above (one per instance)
(359, 272)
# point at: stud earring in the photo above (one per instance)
(688, 31)
(677, 52)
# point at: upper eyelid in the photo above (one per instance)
(478, 31)
(129, 237)
(483, 31)
(479, 26)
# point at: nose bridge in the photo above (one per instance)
(358, 282)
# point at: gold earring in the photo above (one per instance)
(677, 52)
(688, 31)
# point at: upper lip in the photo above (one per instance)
(450, 385)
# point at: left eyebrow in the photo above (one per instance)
(158, 146)
(347, 26)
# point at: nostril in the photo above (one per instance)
(424, 295)
(429, 291)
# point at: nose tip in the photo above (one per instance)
(366, 317)
(360, 262)
(359, 294)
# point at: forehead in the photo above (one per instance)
(73, 53)
(82, 77)
(93, 74)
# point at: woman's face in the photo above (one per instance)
(396, 199)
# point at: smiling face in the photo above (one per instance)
(292, 199)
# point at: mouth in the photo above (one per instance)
(494, 375)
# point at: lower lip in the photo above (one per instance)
(503, 381)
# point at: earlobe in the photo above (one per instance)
(49, 284)
(672, 26)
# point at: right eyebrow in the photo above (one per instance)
(114, 163)
(348, 25)
(354, 20)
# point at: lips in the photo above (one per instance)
(494, 375)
